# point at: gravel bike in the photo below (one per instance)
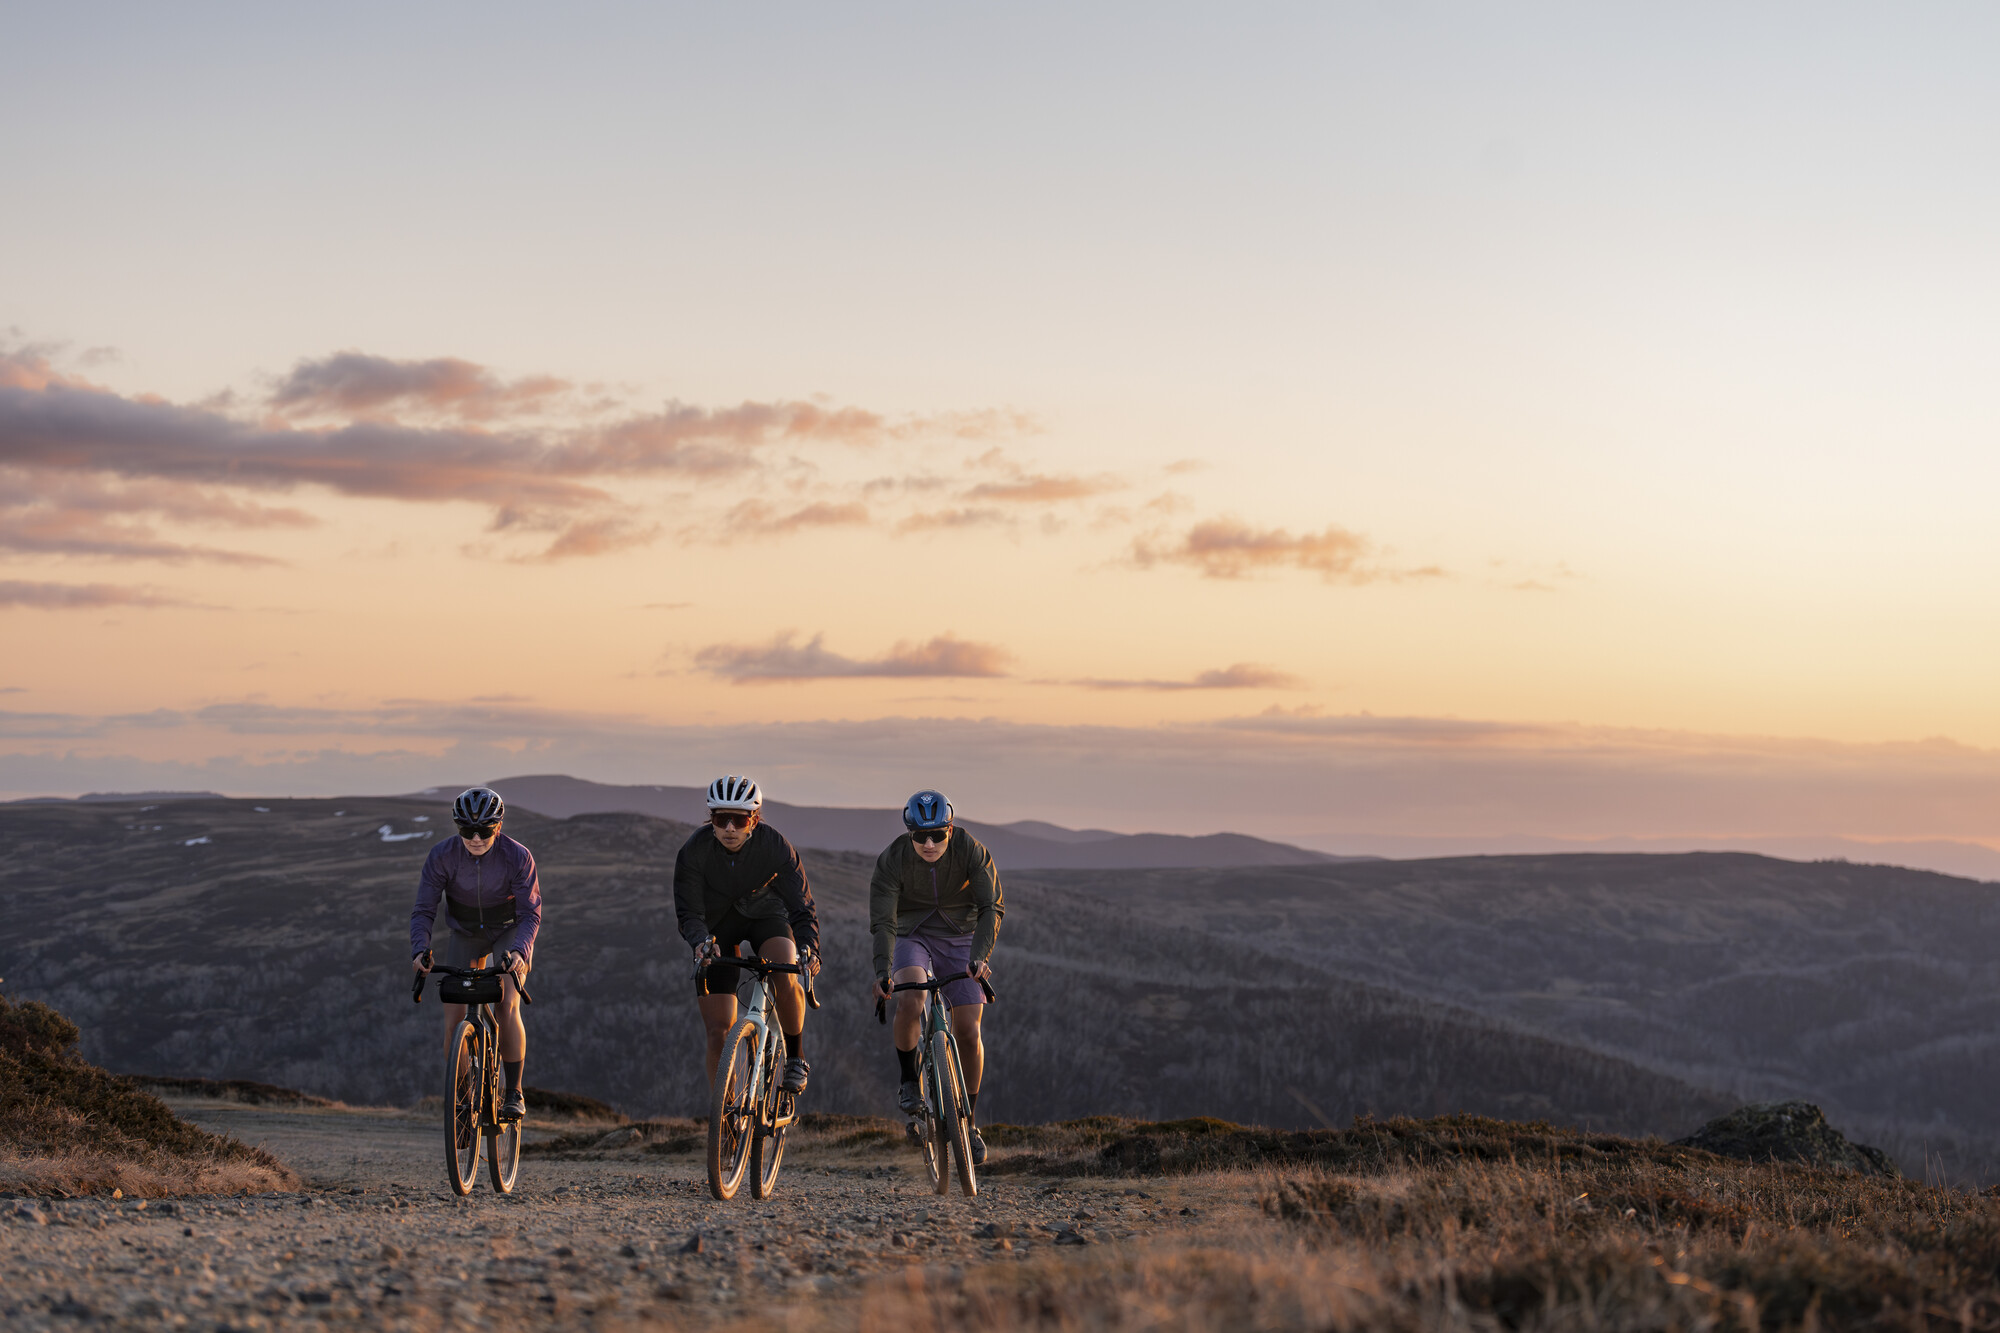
(472, 1078)
(946, 1124)
(751, 1112)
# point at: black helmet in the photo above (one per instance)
(927, 810)
(478, 805)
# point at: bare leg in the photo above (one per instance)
(785, 988)
(971, 1050)
(718, 1015)
(908, 1026)
(513, 1032)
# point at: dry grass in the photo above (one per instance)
(68, 1127)
(1459, 1224)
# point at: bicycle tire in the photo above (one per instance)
(503, 1145)
(927, 1124)
(960, 1135)
(952, 1150)
(768, 1147)
(732, 1111)
(461, 1107)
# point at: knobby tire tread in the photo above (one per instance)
(738, 1048)
(461, 1121)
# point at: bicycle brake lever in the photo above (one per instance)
(991, 998)
(881, 1011)
(417, 988)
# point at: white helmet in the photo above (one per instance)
(734, 793)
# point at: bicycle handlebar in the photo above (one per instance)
(935, 983)
(761, 968)
(446, 969)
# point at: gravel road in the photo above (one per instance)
(628, 1237)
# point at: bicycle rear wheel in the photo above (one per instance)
(462, 1087)
(732, 1117)
(958, 1118)
(503, 1145)
(768, 1148)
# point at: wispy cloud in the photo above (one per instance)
(1039, 488)
(79, 596)
(60, 436)
(761, 518)
(1231, 549)
(1241, 676)
(356, 383)
(948, 519)
(785, 658)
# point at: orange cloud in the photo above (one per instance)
(1041, 489)
(953, 518)
(1230, 549)
(784, 658)
(757, 517)
(1241, 676)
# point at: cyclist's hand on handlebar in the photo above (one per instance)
(981, 970)
(883, 986)
(421, 963)
(809, 960)
(707, 951)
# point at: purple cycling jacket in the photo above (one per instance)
(480, 886)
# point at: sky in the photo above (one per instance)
(1334, 422)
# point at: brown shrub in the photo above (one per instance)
(68, 1127)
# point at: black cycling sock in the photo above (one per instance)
(512, 1069)
(972, 1104)
(907, 1061)
(795, 1044)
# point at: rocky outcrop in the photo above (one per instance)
(1787, 1132)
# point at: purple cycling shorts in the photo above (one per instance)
(941, 956)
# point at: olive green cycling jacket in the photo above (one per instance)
(963, 888)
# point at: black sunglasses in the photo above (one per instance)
(732, 818)
(477, 830)
(930, 834)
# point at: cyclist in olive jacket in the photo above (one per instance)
(934, 905)
(738, 881)
(493, 901)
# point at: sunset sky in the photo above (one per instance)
(1339, 423)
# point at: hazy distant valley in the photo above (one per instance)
(229, 938)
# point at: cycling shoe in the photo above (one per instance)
(514, 1106)
(911, 1098)
(796, 1073)
(978, 1148)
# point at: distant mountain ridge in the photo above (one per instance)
(1029, 844)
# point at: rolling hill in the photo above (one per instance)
(267, 940)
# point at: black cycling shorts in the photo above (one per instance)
(722, 976)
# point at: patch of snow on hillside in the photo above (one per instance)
(196, 842)
(389, 834)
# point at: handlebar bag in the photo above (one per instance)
(469, 990)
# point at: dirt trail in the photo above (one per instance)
(626, 1237)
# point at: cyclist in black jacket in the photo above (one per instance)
(738, 881)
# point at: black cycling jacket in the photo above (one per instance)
(765, 879)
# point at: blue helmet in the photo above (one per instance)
(927, 809)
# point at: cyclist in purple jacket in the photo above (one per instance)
(493, 901)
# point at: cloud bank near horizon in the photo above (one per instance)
(1289, 776)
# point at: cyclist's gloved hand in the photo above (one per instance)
(421, 963)
(515, 964)
(707, 951)
(882, 986)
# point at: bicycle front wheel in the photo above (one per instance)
(954, 1147)
(769, 1146)
(503, 1145)
(732, 1117)
(958, 1123)
(462, 1088)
